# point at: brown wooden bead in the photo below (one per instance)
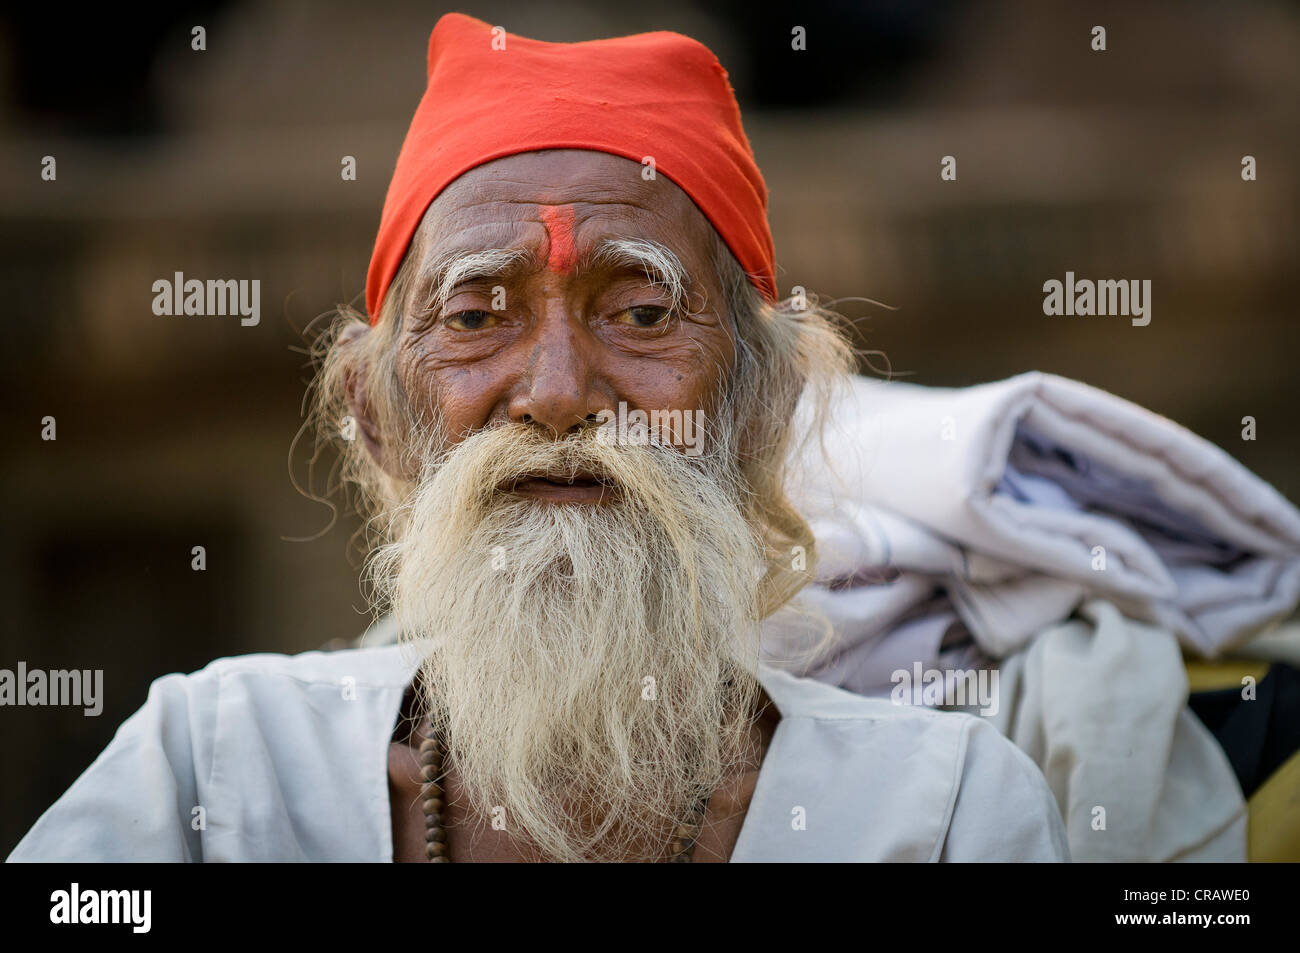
(435, 835)
(432, 805)
(436, 849)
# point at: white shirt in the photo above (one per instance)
(287, 758)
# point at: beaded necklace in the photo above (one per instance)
(433, 750)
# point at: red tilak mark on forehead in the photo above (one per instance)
(558, 221)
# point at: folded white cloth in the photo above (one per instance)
(1020, 498)
(961, 529)
(1099, 703)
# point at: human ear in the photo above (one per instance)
(355, 381)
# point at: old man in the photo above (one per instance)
(568, 417)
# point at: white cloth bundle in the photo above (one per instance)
(1012, 502)
(961, 528)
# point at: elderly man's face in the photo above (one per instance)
(555, 340)
(529, 314)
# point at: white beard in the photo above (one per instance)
(591, 665)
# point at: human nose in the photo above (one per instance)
(560, 389)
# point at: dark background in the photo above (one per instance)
(175, 431)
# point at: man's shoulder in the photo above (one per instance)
(802, 697)
(267, 732)
(233, 699)
(903, 782)
(882, 731)
(388, 666)
(894, 728)
(383, 666)
(253, 740)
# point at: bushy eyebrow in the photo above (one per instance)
(660, 265)
(662, 268)
(458, 266)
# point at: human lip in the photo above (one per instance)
(577, 487)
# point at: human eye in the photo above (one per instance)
(644, 316)
(472, 320)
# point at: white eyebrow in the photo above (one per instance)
(662, 268)
(457, 267)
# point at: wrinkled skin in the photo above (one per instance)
(568, 344)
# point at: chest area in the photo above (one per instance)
(473, 838)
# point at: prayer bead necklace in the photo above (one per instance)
(432, 751)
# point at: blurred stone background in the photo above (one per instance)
(176, 431)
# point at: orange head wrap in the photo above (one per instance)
(658, 95)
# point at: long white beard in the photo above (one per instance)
(591, 665)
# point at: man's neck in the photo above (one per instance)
(472, 838)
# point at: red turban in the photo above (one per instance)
(659, 94)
